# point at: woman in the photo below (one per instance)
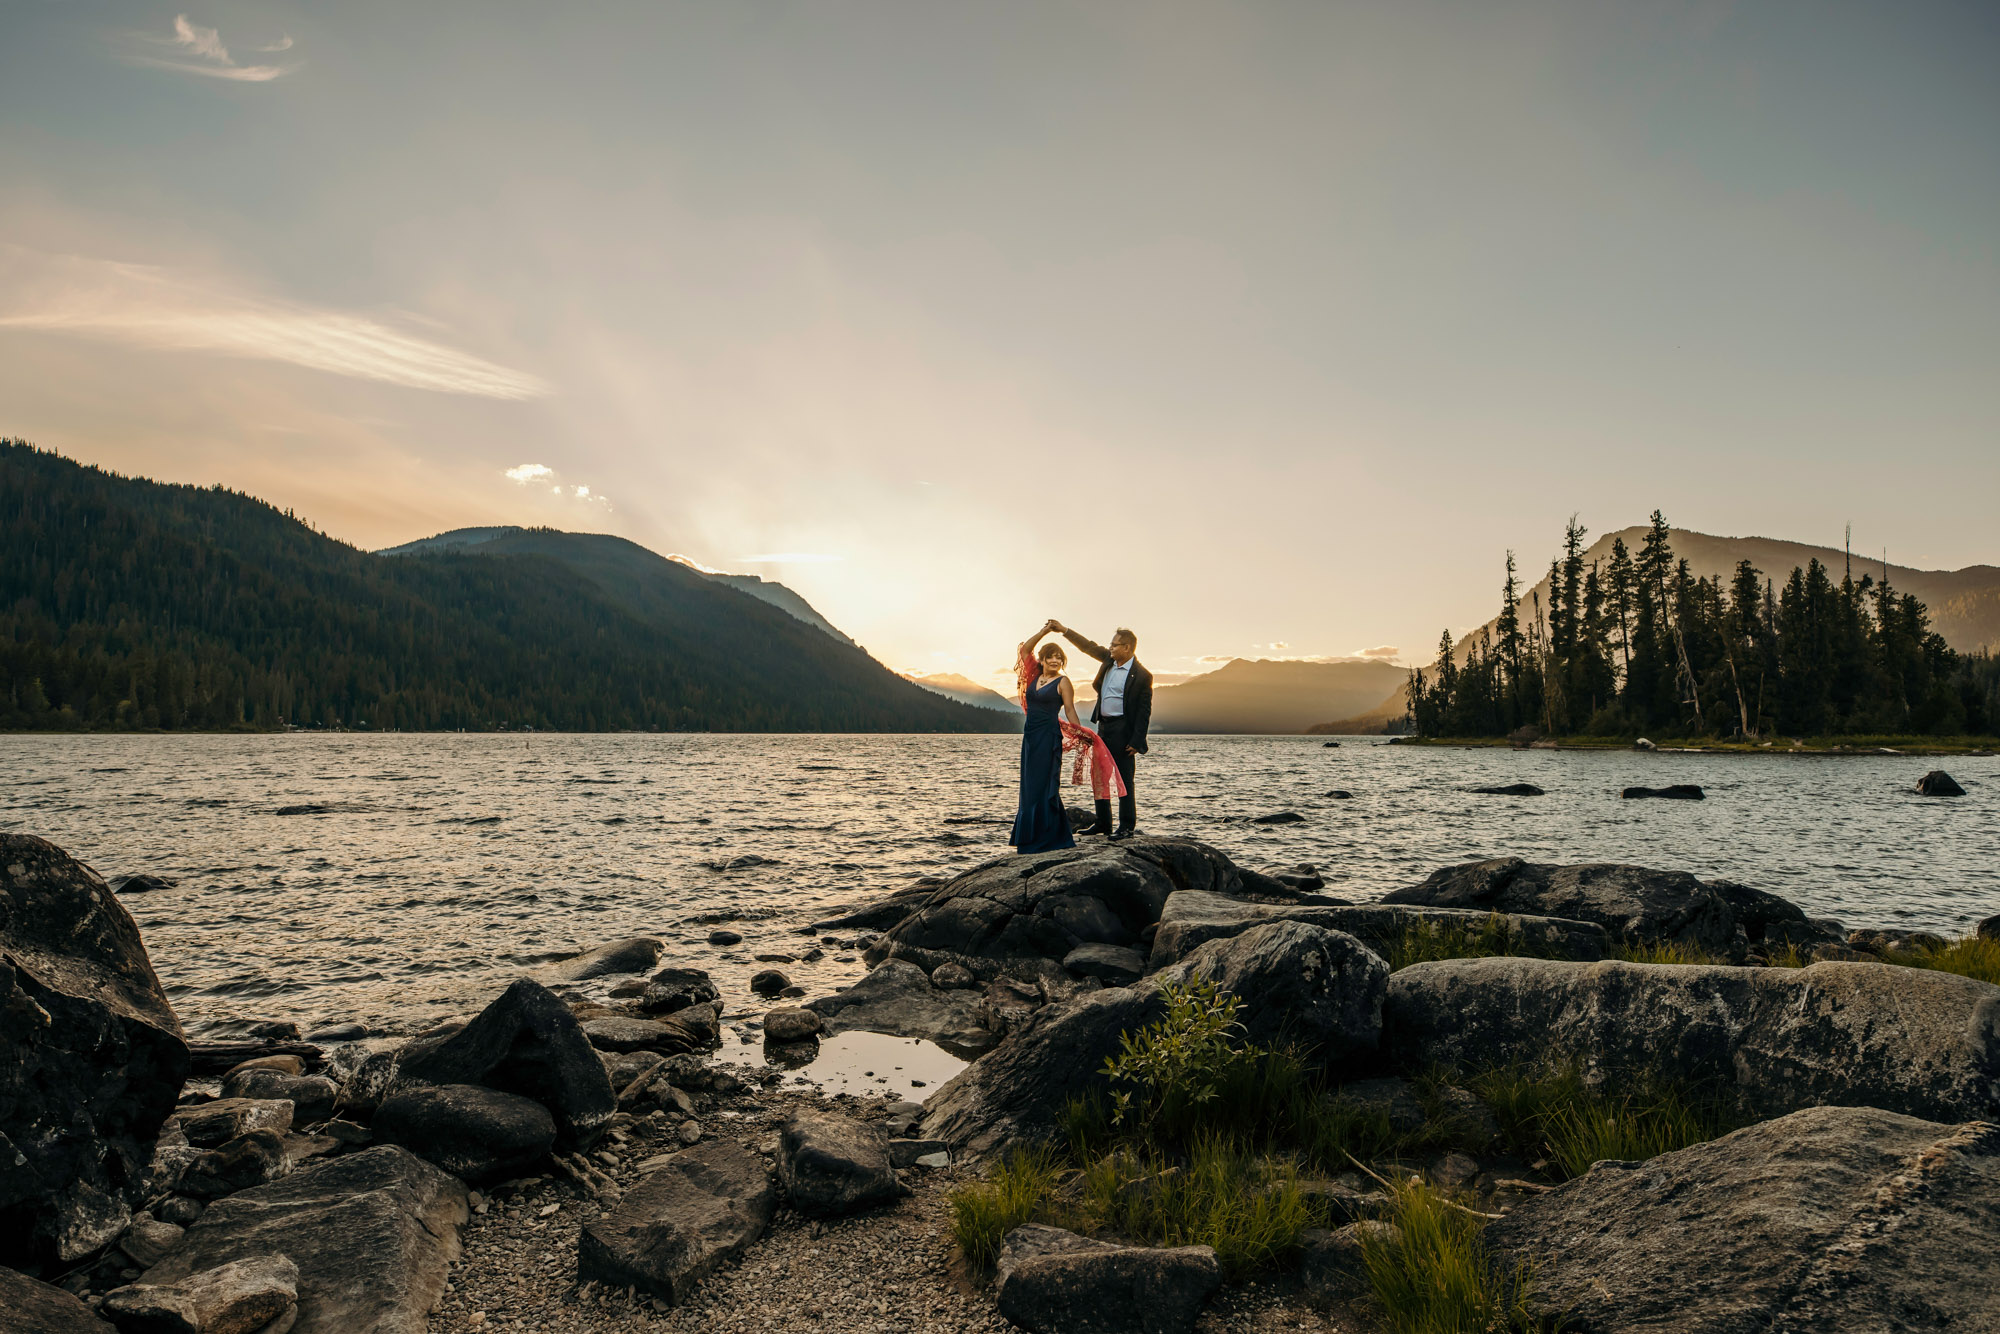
(1040, 822)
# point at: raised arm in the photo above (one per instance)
(1028, 644)
(1083, 645)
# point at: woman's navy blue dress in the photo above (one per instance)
(1040, 822)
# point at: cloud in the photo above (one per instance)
(1386, 651)
(789, 558)
(193, 49)
(529, 472)
(155, 307)
(532, 474)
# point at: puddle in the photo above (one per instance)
(864, 1064)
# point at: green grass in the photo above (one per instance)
(1971, 956)
(1427, 940)
(1557, 1116)
(1433, 1274)
(1666, 951)
(1016, 1193)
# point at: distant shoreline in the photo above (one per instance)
(1835, 746)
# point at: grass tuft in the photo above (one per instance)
(1432, 1272)
(1016, 1193)
(1558, 1116)
(1971, 956)
(1427, 940)
(1665, 951)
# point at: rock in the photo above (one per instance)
(236, 1298)
(338, 1033)
(367, 1072)
(1332, 1265)
(625, 1066)
(622, 1034)
(141, 884)
(790, 1023)
(284, 1065)
(1643, 744)
(1509, 790)
(675, 1226)
(724, 936)
(1938, 783)
(1298, 985)
(1113, 965)
(1193, 918)
(1988, 928)
(372, 1234)
(480, 1135)
(1339, 794)
(216, 1058)
(832, 1165)
(1630, 902)
(30, 1306)
(769, 982)
(180, 1210)
(879, 915)
(916, 1152)
(1393, 1098)
(312, 1096)
(957, 977)
(1772, 1040)
(212, 1123)
(1100, 1289)
(1279, 817)
(148, 1240)
(634, 955)
(92, 1058)
(1829, 1219)
(1673, 792)
(674, 989)
(248, 1160)
(526, 1042)
(1329, 745)
(897, 998)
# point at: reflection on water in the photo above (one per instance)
(426, 870)
(865, 1064)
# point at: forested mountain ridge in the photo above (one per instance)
(126, 603)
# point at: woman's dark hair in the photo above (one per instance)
(1047, 651)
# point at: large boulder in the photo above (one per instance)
(1830, 1219)
(92, 1058)
(1043, 905)
(634, 955)
(1772, 1040)
(1194, 917)
(831, 1165)
(672, 1229)
(526, 1042)
(1296, 984)
(899, 998)
(1633, 903)
(1054, 1282)
(372, 1233)
(30, 1306)
(879, 914)
(478, 1134)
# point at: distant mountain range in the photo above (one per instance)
(127, 603)
(967, 691)
(1260, 695)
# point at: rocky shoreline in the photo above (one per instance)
(577, 1155)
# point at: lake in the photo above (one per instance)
(441, 864)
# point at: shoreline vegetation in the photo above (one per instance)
(1836, 745)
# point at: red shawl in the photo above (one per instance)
(1105, 780)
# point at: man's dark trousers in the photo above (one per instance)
(1114, 732)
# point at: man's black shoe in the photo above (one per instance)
(1122, 834)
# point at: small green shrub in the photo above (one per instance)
(1172, 1070)
(1434, 1274)
(1972, 956)
(1017, 1192)
(1427, 940)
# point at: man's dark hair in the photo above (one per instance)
(1127, 635)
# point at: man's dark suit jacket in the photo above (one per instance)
(1138, 691)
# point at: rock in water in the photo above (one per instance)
(1989, 928)
(479, 1134)
(673, 1228)
(1050, 1285)
(1630, 902)
(635, 955)
(1938, 783)
(526, 1042)
(236, 1298)
(791, 1023)
(1296, 984)
(1830, 1219)
(1279, 817)
(92, 1058)
(372, 1234)
(898, 998)
(1672, 792)
(1773, 1040)
(30, 1306)
(1510, 790)
(617, 1033)
(769, 982)
(833, 1165)
(879, 915)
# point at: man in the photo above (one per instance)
(1124, 710)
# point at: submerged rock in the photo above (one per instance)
(1829, 1219)
(480, 1135)
(525, 1042)
(633, 955)
(92, 1058)
(672, 1229)
(1279, 817)
(372, 1235)
(1073, 1285)
(1672, 792)
(1938, 783)
(1192, 918)
(832, 1165)
(1509, 790)
(898, 999)
(1771, 1040)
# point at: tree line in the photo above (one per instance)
(129, 604)
(1637, 643)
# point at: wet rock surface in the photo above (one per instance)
(92, 1057)
(633, 955)
(1831, 1219)
(899, 998)
(1509, 790)
(1938, 783)
(480, 1135)
(674, 1227)
(829, 1165)
(1773, 1040)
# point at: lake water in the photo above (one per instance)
(444, 863)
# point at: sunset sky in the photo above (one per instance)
(1263, 328)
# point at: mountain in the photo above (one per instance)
(1384, 718)
(967, 691)
(127, 603)
(1259, 695)
(514, 539)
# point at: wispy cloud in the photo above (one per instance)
(1387, 651)
(193, 49)
(788, 558)
(541, 474)
(155, 307)
(529, 472)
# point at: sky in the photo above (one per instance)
(1265, 329)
